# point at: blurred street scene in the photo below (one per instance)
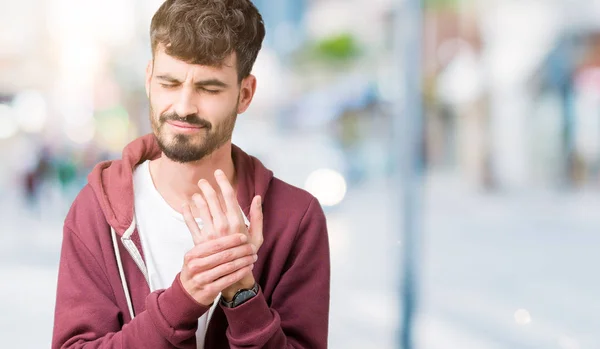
(510, 147)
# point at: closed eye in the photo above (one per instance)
(212, 92)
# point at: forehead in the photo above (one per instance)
(166, 64)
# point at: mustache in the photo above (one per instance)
(192, 119)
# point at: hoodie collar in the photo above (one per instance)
(112, 181)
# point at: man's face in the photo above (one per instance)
(193, 108)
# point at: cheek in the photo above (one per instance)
(159, 101)
(218, 108)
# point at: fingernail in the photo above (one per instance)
(255, 257)
(253, 248)
(259, 202)
(219, 172)
(243, 238)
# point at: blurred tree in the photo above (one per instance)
(336, 51)
(441, 4)
(341, 47)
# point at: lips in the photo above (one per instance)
(184, 125)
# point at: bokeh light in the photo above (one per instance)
(8, 123)
(31, 111)
(522, 317)
(327, 185)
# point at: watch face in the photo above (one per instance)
(242, 297)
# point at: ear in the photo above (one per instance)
(149, 69)
(247, 90)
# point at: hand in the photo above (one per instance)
(225, 220)
(213, 265)
(232, 220)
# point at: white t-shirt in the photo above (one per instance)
(165, 238)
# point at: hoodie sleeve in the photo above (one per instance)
(87, 314)
(298, 316)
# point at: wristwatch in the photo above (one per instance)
(241, 297)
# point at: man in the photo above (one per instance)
(187, 241)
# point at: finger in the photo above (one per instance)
(193, 227)
(208, 230)
(210, 247)
(210, 276)
(234, 214)
(201, 264)
(228, 280)
(219, 221)
(256, 221)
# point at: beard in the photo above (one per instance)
(184, 148)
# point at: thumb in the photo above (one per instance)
(256, 221)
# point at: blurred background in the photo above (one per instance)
(508, 173)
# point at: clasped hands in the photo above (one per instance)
(225, 249)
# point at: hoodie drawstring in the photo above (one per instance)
(122, 272)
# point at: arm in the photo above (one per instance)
(299, 312)
(87, 314)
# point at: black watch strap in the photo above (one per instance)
(241, 297)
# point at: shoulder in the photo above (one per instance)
(292, 204)
(85, 215)
(85, 201)
(289, 197)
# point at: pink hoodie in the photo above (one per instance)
(94, 302)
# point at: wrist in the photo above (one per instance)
(241, 297)
(245, 284)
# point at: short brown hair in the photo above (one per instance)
(207, 31)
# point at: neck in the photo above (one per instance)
(177, 182)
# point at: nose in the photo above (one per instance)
(186, 103)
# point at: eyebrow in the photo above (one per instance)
(202, 83)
